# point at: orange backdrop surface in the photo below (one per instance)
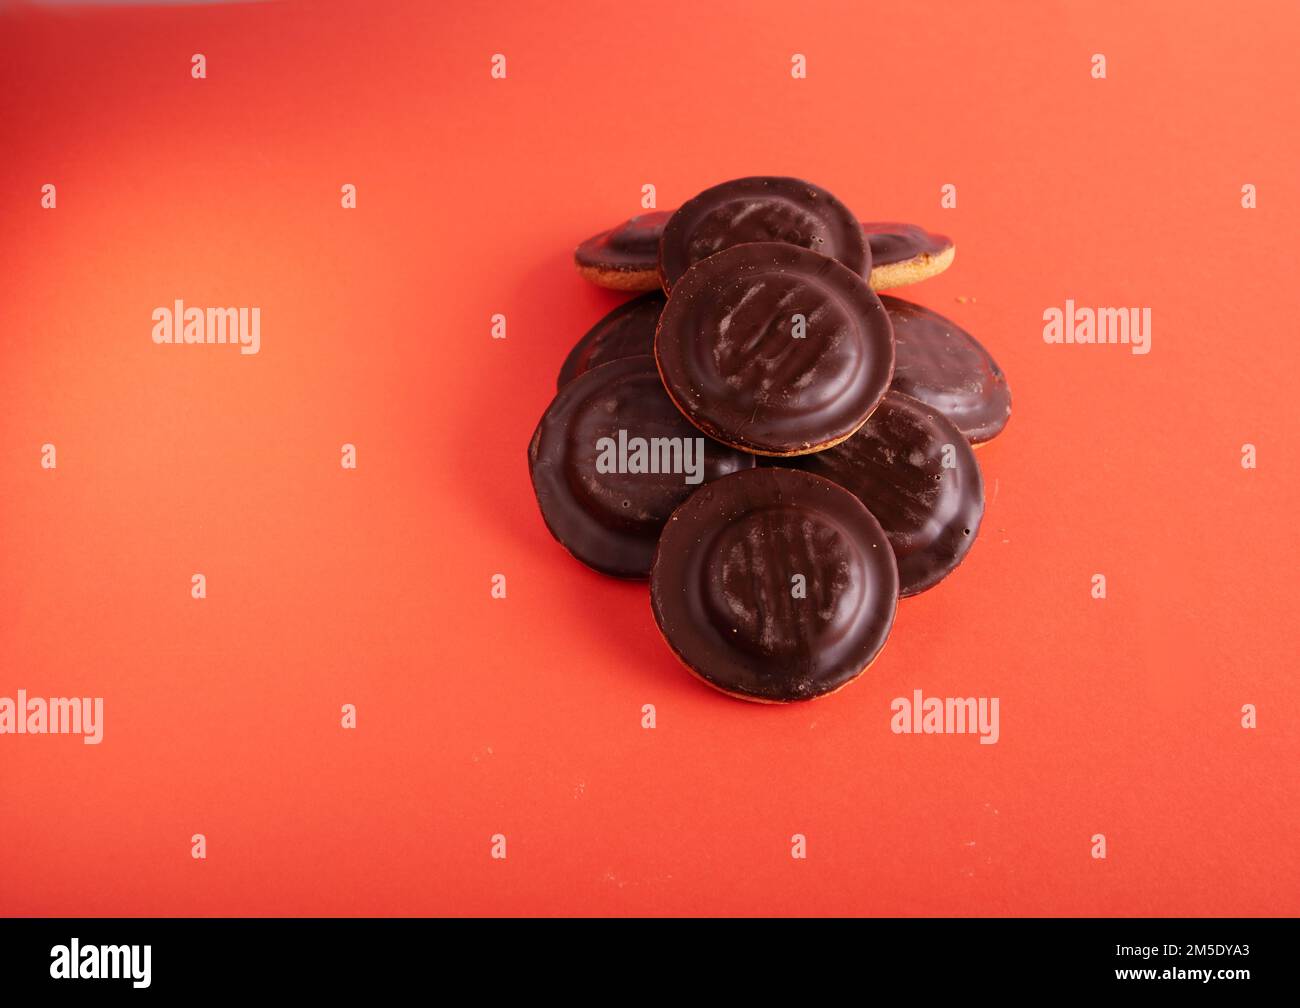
(522, 716)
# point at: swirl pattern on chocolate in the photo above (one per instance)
(774, 349)
(761, 209)
(774, 585)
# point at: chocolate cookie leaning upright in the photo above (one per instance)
(917, 474)
(774, 349)
(763, 208)
(610, 460)
(774, 585)
(944, 366)
(626, 257)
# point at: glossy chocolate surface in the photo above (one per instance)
(632, 247)
(611, 521)
(894, 241)
(944, 366)
(725, 588)
(895, 465)
(761, 209)
(627, 331)
(730, 358)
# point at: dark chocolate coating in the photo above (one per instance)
(893, 241)
(632, 247)
(761, 209)
(730, 360)
(895, 466)
(634, 244)
(725, 596)
(611, 521)
(627, 331)
(944, 366)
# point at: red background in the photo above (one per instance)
(522, 716)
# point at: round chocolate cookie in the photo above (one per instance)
(761, 209)
(944, 366)
(774, 349)
(627, 331)
(917, 474)
(774, 585)
(905, 253)
(611, 458)
(626, 257)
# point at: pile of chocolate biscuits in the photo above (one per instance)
(780, 450)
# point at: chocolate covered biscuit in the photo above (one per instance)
(905, 253)
(774, 349)
(627, 331)
(774, 585)
(625, 257)
(762, 208)
(944, 366)
(610, 460)
(917, 474)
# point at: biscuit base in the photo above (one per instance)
(913, 270)
(898, 274)
(621, 280)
